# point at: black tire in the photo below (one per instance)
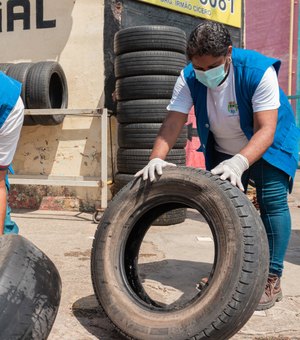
(46, 88)
(19, 72)
(142, 111)
(145, 38)
(149, 62)
(168, 218)
(5, 67)
(145, 87)
(239, 272)
(142, 136)
(30, 290)
(130, 161)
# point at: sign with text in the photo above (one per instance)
(228, 12)
(21, 11)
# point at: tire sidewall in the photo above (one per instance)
(107, 261)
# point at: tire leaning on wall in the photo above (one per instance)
(19, 72)
(46, 88)
(143, 135)
(130, 161)
(152, 37)
(145, 87)
(149, 62)
(142, 111)
(30, 290)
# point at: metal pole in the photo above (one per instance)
(104, 159)
(290, 79)
(298, 78)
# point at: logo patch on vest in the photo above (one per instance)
(233, 108)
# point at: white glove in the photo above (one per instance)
(232, 169)
(156, 164)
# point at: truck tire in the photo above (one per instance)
(30, 290)
(19, 72)
(149, 62)
(145, 87)
(46, 88)
(142, 111)
(142, 136)
(240, 266)
(130, 161)
(145, 38)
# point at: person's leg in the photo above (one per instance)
(272, 190)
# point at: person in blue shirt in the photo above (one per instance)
(11, 121)
(246, 127)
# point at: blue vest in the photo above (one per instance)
(249, 68)
(10, 90)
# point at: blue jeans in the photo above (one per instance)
(272, 187)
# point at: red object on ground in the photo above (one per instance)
(194, 158)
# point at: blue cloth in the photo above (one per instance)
(10, 227)
(10, 90)
(249, 68)
(271, 189)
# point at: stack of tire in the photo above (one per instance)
(44, 86)
(147, 64)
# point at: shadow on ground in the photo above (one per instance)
(174, 275)
(93, 319)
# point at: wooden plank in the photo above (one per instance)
(76, 112)
(81, 181)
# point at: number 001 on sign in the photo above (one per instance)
(225, 11)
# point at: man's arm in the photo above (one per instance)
(2, 200)
(264, 130)
(168, 134)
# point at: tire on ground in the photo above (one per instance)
(142, 111)
(142, 136)
(19, 72)
(129, 161)
(149, 62)
(46, 88)
(168, 218)
(239, 270)
(143, 38)
(145, 87)
(30, 290)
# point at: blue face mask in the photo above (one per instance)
(213, 77)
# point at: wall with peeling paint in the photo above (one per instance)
(76, 42)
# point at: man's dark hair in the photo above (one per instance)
(209, 38)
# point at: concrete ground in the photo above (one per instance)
(66, 237)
